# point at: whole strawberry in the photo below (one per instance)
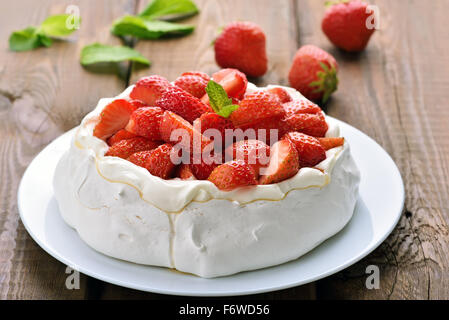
(241, 45)
(314, 73)
(345, 24)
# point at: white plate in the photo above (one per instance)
(377, 211)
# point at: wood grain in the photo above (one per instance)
(42, 94)
(394, 91)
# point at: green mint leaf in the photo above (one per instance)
(44, 40)
(226, 111)
(169, 9)
(98, 53)
(143, 28)
(57, 26)
(219, 100)
(23, 40)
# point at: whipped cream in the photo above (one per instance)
(123, 211)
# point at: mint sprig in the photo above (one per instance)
(219, 100)
(144, 28)
(99, 53)
(169, 9)
(34, 37)
(149, 25)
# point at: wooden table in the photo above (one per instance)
(396, 91)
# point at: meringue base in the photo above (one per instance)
(212, 238)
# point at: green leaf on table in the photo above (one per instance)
(99, 53)
(23, 40)
(32, 37)
(169, 9)
(143, 28)
(219, 100)
(44, 40)
(57, 26)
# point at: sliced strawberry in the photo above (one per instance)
(256, 107)
(113, 118)
(211, 120)
(200, 74)
(140, 158)
(269, 130)
(156, 161)
(281, 93)
(233, 174)
(138, 104)
(149, 89)
(284, 163)
(233, 82)
(312, 124)
(202, 170)
(159, 162)
(145, 122)
(193, 84)
(310, 150)
(185, 135)
(254, 152)
(125, 148)
(176, 100)
(333, 142)
(184, 172)
(119, 136)
(301, 106)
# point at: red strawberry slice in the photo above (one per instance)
(119, 136)
(310, 150)
(301, 106)
(255, 107)
(138, 104)
(184, 172)
(193, 84)
(211, 120)
(185, 135)
(254, 152)
(145, 122)
(200, 74)
(233, 174)
(241, 45)
(269, 130)
(156, 161)
(281, 93)
(149, 89)
(140, 158)
(284, 163)
(113, 118)
(233, 82)
(202, 170)
(125, 148)
(333, 142)
(312, 124)
(176, 100)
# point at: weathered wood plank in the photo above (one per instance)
(42, 94)
(394, 92)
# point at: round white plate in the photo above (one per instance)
(377, 211)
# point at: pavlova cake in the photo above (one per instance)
(209, 176)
